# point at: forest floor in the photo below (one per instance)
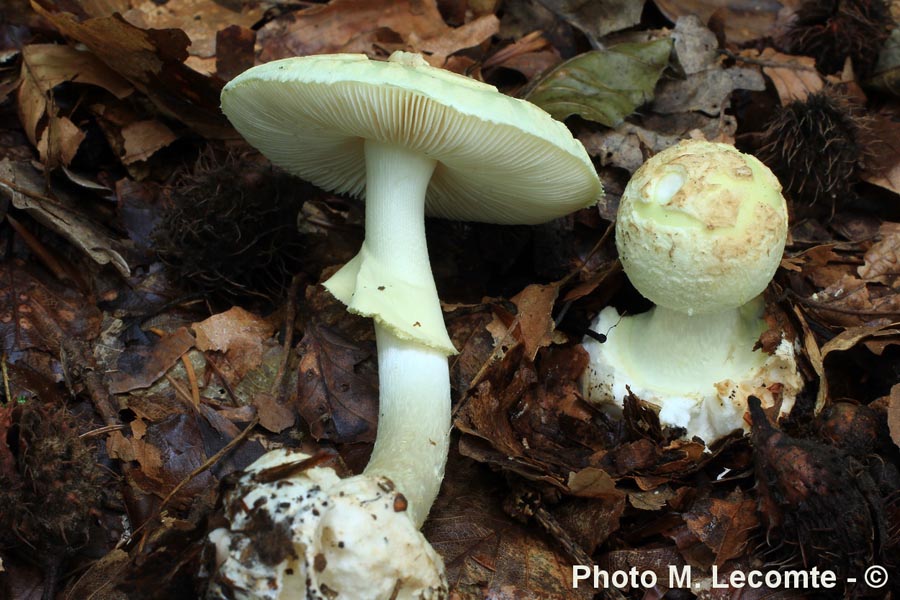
(150, 349)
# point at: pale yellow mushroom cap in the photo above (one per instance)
(701, 227)
(500, 159)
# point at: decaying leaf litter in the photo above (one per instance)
(141, 369)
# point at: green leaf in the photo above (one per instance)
(603, 85)
(887, 70)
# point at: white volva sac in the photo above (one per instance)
(309, 535)
(700, 231)
(414, 141)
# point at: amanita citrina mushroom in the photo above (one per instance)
(413, 141)
(700, 232)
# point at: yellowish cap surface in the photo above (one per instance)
(701, 227)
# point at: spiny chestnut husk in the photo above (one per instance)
(231, 231)
(830, 31)
(821, 508)
(814, 147)
(50, 484)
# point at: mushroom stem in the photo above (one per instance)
(413, 420)
(670, 348)
(414, 379)
(396, 181)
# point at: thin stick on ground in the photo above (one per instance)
(209, 462)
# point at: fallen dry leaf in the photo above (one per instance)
(45, 66)
(724, 525)
(131, 136)
(894, 414)
(592, 482)
(626, 146)
(62, 215)
(333, 27)
(795, 80)
(273, 415)
(240, 335)
(598, 18)
(467, 327)
(167, 454)
(94, 582)
(743, 20)
(589, 523)
(484, 413)
(201, 20)
(653, 499)
(523, 17)
(142, 139)
(438, 48)
(36, 314)
(52, 64)
(337, 393)
(852, 336)
(514, 55)
(368, 26)
(843, 298)
(529, 418)
(822, 265)
(855, 303)
(707, 91)
(533, 64)
(813, 353)
(487, 552)
(141, 367)
(694, 44)
(883, 258)
(150, 59)
(532, 324)
(61, 143)
(234, 51)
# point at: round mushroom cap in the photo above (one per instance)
(701, 227)
(499, 159)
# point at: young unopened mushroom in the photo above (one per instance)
(700, 231)
(412, 140)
